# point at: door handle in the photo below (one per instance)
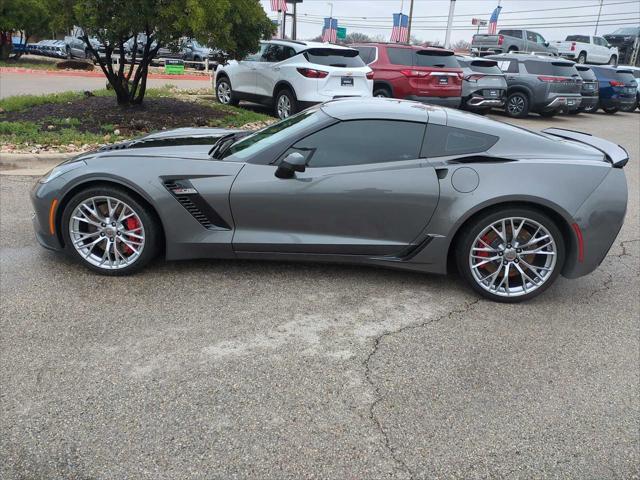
(277, 69)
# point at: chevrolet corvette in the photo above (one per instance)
(382, 182)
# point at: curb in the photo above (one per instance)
(98, 74)
(8, 159)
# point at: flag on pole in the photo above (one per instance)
(279, 6)
(330, 30)
(493, 21)
(400, 31)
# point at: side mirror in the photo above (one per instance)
(294, 162)
(546, 44)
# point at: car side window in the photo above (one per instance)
(441, 141)
(400, 56)
(273, 53)
(255, 57)
(531, 36)
(539, 39)
(508, 66)
(359, 142)
(367, 54)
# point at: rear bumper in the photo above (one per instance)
(486, 50)
(617, 101)
(599, 219)
(478, 102)
(451, 102)
(589, 102)
(562, 102)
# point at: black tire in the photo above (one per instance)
(575, 111)
(381, 91)
(610, 110)
(549, 114)
(582, 58)
(512, 49)
(517, 105)
(283, 98)
(613, 61)
(472, 229)
(148, 218)
(221, 98)
(591, 108)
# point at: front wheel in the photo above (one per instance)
(110, 231)
(517, 105)
(285, 104)
(510, 255)
(610, 110)
(224, 93)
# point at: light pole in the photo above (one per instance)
(598, 19)
(447, 37)
(410, 20)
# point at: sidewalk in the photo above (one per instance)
(98, 74)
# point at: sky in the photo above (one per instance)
(553, 19)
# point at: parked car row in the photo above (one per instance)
(48, 48)
(290, 75)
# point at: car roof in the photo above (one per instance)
(527, 57)
(300, 45)
(383, 109)
(400, 45)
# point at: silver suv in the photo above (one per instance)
(539, 84)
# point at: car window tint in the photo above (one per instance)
(540, 39)
(358, 142)
(562, 69)
(508, 66)
(511, 33)
(334, 57)
(577, 38)
(400, 56)
(531, 36)
(441, 141)
(434, 58)
(276, 53)
(368, 54)
(489, 67)
(255, 57)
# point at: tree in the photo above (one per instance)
(357, 37)
(22, 18)
(461, 46)
(233, 26)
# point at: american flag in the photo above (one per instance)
(493, 21)
(330, 30)
(279, 6)
(400, 31)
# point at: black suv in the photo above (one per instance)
(590, 91)
(541, 84)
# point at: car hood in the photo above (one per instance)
(193, 143)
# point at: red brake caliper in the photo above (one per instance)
(132, 224)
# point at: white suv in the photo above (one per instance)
(291, 75)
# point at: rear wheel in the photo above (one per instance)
(110, 231)
(285, 104)
(613, 60)
(382, 92)
(517, 105)
(510, 255)
(610, 110)
(582, 58)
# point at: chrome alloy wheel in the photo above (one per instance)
(224, 92)
(516, 105)
(284, 106)
(513, 257)
(107, 232)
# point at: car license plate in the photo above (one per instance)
(346, 82)
(631, 90)
(492, 93)
(443, 80)
(571, 102)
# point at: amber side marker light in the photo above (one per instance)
(576, 229)
(52, 216)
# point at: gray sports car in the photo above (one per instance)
(373, 181)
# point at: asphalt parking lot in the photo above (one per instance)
(217, 369)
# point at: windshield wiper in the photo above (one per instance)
(216, 150)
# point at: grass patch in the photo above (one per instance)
(31, 63)
(57, 121)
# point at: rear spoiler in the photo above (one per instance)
(615, 154)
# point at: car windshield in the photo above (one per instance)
(489, 67)
(334, 57)
(434, 58)
(627, 31)
(585, 72)
(262, 139)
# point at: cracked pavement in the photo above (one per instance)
(215, 369)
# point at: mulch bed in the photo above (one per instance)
(94, 112)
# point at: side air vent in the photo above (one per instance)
(185, 193)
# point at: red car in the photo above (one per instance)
(426, 74)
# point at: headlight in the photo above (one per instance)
(61, 169)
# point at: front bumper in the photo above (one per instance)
(44, 211)
(600, 219)
(451, 102)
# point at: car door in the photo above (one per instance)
(600, 45)
(268, 70)
(243, 78)
(365, 191)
